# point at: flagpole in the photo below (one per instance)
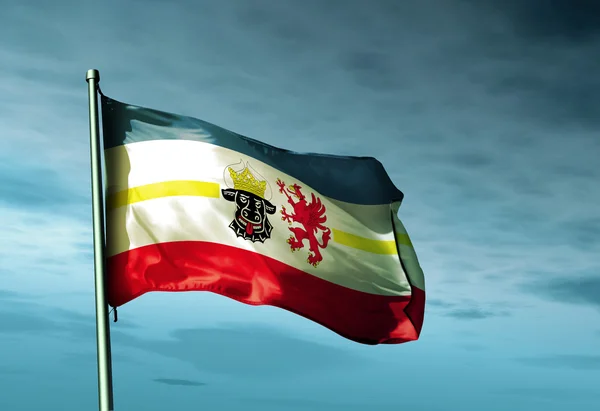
(105, 394)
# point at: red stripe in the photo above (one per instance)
(254, 279)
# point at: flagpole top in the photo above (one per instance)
(92, 74)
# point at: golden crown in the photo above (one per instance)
(244, 180)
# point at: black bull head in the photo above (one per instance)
(250, 221)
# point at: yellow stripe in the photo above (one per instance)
(365, 244)
(204, 189)
(166, 189)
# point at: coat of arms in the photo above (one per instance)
(249, 192)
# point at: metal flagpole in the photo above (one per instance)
(105, 394)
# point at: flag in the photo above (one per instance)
(191, 206)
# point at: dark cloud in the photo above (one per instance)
(243, 350)
(474, 314)
(19, 313)
(21, 322)
(574, 290)
(519, 217)
(435, 302)
(556, 99)
(582, 232)
(22, 314)
(576, 171)
(574, 362)
(285, 26)
(465, 195)
(533, 58)
(37, 187)
(249, 351)
(530, 186)
(473, 160)
(372, 69)
(179, 382)
(569, 20)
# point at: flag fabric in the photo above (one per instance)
(191, 206)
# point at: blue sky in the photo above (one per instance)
(486, 115)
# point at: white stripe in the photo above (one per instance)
(149, 162)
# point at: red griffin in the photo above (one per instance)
(311, 216)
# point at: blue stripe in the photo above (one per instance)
(358, 180)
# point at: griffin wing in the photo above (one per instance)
(316, 211)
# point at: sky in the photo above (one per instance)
(486, 114)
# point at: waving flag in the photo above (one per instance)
(194, 207)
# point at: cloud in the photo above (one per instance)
(374, 70)
(26, 314)
(241, 350)
(569, 20)
(21, 314)
(531, 60)
(30, 186)
(179, 382)
(573, 362)
(575, 289)
(474, 314)
(435, 302)
(41, 244)
(469, 309)
(472, 160)
(286, 30)
(14, 322)
(583, 232)
(248, 351)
